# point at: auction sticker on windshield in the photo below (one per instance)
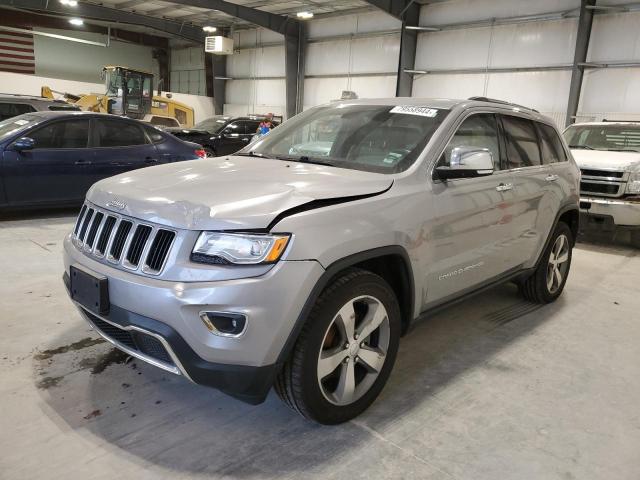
(411, 110)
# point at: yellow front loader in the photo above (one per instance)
(129, 92)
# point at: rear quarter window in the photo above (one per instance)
(551, 144)
(154, 134)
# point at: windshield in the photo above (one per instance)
(113, 82)
(374, 138)
(13, 125)
(213, 124)
(618, 138)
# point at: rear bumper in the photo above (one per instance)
(622, 212)
(247, 383)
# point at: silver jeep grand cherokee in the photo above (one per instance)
(301, 271)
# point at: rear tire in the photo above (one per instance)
(346, 350)
(548, 280)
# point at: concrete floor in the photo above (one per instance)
(493, 388)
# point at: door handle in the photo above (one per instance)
(551, 178)
(150, 160)
(245, 139)
(83, 162)
(503, 187)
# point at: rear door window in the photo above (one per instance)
(551, 145)
(521, 141)
(154, 134)
(115, 133)
(62, 134)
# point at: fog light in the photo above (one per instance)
(224, 324)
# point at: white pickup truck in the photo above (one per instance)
(608, 154)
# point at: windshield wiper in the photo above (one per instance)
(252, 154)
(622, 150)
(306, 159)
(586, 147)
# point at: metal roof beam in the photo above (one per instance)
(400, 9)
(270, 21)
(409, 13)
(105, 14)
(585, 22)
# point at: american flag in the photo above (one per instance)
(16, 52)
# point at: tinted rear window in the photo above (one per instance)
(115, 133)
(522, 142)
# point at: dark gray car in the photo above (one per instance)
(12, 105)
(300, 267)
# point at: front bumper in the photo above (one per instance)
(168, 311)
(622, 212)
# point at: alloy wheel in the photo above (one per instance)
(354, 350)
(558, 264)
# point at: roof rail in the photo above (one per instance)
(20, 95)
(503, 102)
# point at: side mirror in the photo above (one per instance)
(467, 162)
(23, 143)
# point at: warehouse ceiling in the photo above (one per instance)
(202, 16)
(180, 18)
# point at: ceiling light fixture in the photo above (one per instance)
(209, 29)
(305, 15)
(76, 21)
(69, 3)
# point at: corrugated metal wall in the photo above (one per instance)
(187, 71)
(360, 53)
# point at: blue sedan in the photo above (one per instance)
(52, 158)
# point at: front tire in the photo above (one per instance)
(547, 282)
(346, 350)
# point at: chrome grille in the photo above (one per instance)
(91, 236)
(122, 241)
(122, 232)
(85, 224)
(159, 249)
(603, 183)
(105, 234)
(138, 241)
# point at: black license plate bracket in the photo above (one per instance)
(90, 291)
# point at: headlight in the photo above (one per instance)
(633, 184)
(239, 248)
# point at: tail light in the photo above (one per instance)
(202, 153)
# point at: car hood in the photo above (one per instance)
(229, 193)
(606, 160)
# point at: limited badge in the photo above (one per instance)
(412, 110)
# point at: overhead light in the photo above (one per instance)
(305, 15)
(69, 3)
(209, 29)
(76, 21)
(422, 29)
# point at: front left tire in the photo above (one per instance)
(346, 350)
